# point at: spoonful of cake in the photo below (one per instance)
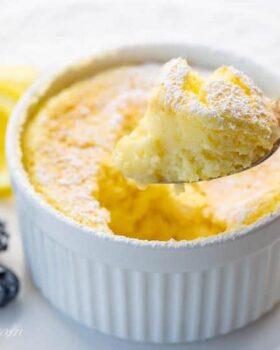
(198, 128)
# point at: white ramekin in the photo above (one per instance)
(143, 290)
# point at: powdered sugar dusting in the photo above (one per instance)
(246, 80)
(226, 92)
(227, 98)
(172, 79)
(78, 129)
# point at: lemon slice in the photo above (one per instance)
(6, 106)
(5, 187)
(13, 82)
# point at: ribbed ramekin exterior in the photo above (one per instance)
(148, 306)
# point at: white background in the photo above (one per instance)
(44, 33)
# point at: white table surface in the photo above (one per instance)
(44, 33)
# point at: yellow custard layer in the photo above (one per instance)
(67, 148)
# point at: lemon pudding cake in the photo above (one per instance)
(67, 153)
(198, 129)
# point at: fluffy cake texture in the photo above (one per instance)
(67, 147)
(198, 129)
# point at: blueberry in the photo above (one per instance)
(9, 286)
(4, 237)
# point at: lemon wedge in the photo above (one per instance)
(13, 82)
